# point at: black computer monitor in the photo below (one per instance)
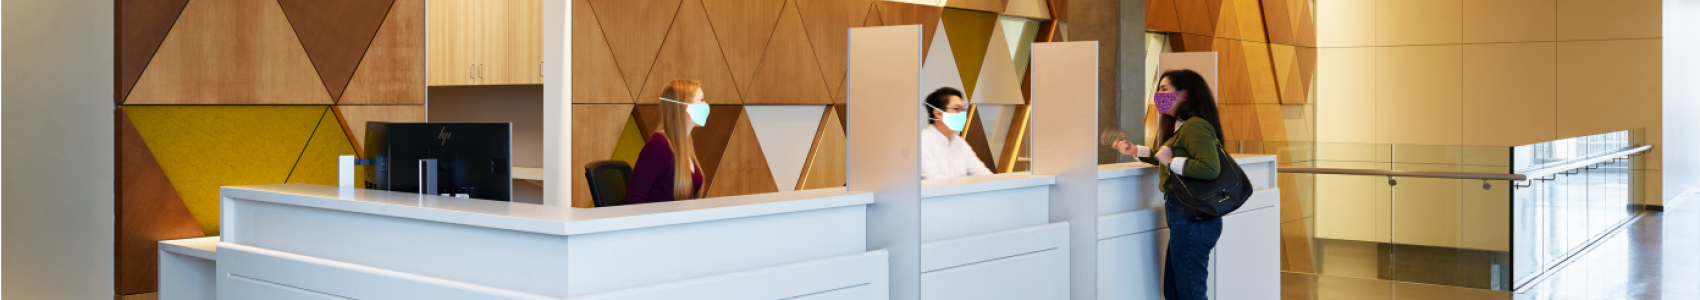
(473, 159)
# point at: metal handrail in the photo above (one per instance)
(1520, 176)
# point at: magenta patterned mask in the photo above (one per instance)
(1165, 101)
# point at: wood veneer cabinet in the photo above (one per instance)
(484, 42)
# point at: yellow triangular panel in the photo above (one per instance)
(969, 34)
(230, 52)
(630, 144)
(203, 148)
(317, 164)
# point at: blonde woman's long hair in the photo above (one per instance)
(674, 124)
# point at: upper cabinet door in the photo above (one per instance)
(493, 42)
(525, 41)
(450, 27)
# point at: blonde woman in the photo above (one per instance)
(667, 168)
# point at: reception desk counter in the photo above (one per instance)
(296, 241)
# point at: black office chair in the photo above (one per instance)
(607, 181)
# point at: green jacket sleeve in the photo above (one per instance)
(1200, 141)
(1149, 160)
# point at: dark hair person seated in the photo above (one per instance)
(943, 153)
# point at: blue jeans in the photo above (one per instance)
(1187, 267)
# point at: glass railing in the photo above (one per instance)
(1487, 234)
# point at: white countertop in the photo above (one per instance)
(1136, 168)
(202, 247)
(982, 183)
(535, 218)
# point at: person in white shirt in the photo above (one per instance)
(943, 153)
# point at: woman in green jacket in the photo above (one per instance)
(1189, 131)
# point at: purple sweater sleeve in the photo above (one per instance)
(652, 177)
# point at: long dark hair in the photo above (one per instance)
(1199, 103)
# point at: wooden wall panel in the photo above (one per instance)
(148, 211)
(230, 52)
(691, 52)
(743, 170)
(711, 141)
(596, 131)
(825, 167)
(1490, 21)
(1417, 95)
(744, 27)
(898, 13)
(1418, 22)
(1196, 17)
(1240, 122)
(142, 25)
(975, 135)
(354, 118)
(635, 30)
(1622, 19)
(789, 71)
(1161, 15)
(596, 76)
(525, 42)
(1227, 20)
(992, 6)
(1277, 22)
(828, 24)
(335, 34)
(1509, 77)
(1261, 72)
(1059, 9)
(393, 71)
(1236, 86)
(1250, 14)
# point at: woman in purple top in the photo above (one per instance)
(667, 168)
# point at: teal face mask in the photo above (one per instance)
(954, 121)
(698, 112)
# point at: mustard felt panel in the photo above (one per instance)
(630, 144)
(203, 148)
(317, 164)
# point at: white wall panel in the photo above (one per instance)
(785, 132)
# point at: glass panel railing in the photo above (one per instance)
(1488, 234)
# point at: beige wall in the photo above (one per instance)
(59, 149)
(1490, 72)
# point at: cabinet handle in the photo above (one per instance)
(480, 71)
(471, 70)
(540, 69)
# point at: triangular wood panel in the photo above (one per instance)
(1227, 20)
(743, 28)
(843, 119)
(1236, 85)
(336, 34)
(142, 25)
(1304, 24)
(1278, 23)
(1284, 58)
(828, 24)
(976, 137)
(1031, 9)
(318, 161)
(898, 13)
(148, 210)
(1307, 68)
(992, 6)
(202, 148)
(596, 130)
(1160, 15)
(394, 67)
(789, 73)
(691, 52)
(743, 170)
(230, 52)
(711, 140)
(1192, 16)
(631, 142)
(1059, 9)
(1239, 122)
(1261, 73)
(1000, 84)
(1250, 14)
(1270, 124)
(1213, 12)
(825, 167)
(635, 30)
(1182, 42)
(969, 33)
(354, 118)
(596, 76)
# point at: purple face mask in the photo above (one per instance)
(1165, 101)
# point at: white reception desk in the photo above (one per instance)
(987, 237)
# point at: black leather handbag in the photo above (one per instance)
(1210, 199)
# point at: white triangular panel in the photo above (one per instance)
(785, 132)
(999, 116)
(1028, 8)
(1024, 48)
(1012, 32)
(940, 69)
(997, 83)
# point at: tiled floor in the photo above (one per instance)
(1657, 257)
